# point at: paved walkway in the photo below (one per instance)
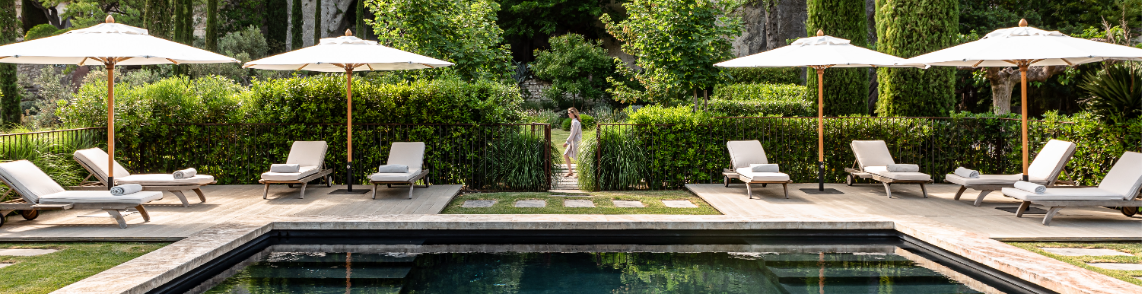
(1071, 224)
(170, 221)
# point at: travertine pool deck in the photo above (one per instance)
(1071, 224)
(170, 221)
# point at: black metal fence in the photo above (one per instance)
(487, 157)
(668, 156)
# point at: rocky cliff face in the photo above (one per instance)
(334, 20)
(768, 24)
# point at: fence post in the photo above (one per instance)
(547, 155)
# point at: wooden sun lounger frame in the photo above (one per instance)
(854, 172)
(728, 173)
(989, 188)
(31, 210)
(323, 173)
(1055, 206)
(411, 182)
(101, 184)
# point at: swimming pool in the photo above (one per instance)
(652, 261)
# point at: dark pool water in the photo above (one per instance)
(720, 272)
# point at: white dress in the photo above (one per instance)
(573, 140)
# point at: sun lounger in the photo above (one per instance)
(1044, 170)
(40, 192)
(310, 156)
(1120, 187)
(873, 159)
(743, 155)
(410, 154)
(94, 160)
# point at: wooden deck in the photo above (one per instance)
(170, 221)
(1072, 224)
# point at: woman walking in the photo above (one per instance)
(573, 142)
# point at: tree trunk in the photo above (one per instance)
(1003, 80)
(1002, 95)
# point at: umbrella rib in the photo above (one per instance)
(81, 62)
(430, 66)
(303, 66)
(172, 60)
(1067, 62)
(368, 66)
(978, 62)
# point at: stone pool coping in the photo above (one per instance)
(165, 264)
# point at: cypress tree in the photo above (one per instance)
(9, 90)
(359, 19)
(157, 18)
(296, 24)
(212, 26)
(907, 29)
(317, 21)
(844, 89)
(277, 21)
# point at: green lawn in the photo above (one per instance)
(603, 201)
(1131, 248)
(74, 262)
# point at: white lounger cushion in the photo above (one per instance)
(901, 176)
(1050, 161)
(872, 153)
(100, 197)
(745, 153)
(987, 180)
(31, 182)
(750, 176)
(96, 158)
(307, 153)
(303, 172)
(409, 154)
(394, 177)
(1124, 177)
(164, 180)
(1066, 194)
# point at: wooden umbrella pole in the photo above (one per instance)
(110, 64)
(349, 129)
(1024, 67)
(821, 156)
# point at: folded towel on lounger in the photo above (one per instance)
(185, 174)
(126, 189)
(1030, 187)
(393, 169)
(902, 168)
(765, 168)
(285, 168)
(966, 173)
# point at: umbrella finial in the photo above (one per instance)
(1023, 23)
(820, 33)
(109, 19)
(349, 32)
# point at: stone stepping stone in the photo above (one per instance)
(579, 203)
(1084, 252)
(530, 203)
(679, 204)
(627, 203)
(1118, 266)
(479, 203)
(2, 265)
(25, 252)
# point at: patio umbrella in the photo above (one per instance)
(109, 44)
(347, 54)
(820, 52)
(1024, 46)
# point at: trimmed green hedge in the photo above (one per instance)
(690, 148)
(762, 100)
(906, 29)
(845, 90)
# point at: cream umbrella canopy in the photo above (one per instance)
(820, 52)
(1025, 46)
(347, 54)
(109, 44)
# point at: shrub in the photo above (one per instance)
(762, 100)
(764, 75)
(578, 69)
(586, 123)
(908, 29)
(1115, 91)
(40, 31)
(845, 90)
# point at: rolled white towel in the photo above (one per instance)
(966, 173)
(285, 168)
(185, 174)
(126, 189)
(765, 168)
(901, 168)
(1030, 187)
(393, 169)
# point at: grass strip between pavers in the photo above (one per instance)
(652, 201)
(73, 262)
(1130, 248)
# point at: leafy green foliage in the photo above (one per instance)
(42, 30)
(690, 148)
(86, 13)
(51, 153)
(762, 100)
(212, 26)
(463, 32)
(586, 122)
(9, 89)
(277, 19)
(845, 90)
(296, 24)
(907, 29)
(1115, 91)
(157, 18)
(676, 43)
(577, 68)
(244, 45)
(1070, 17)
(764, 75)
(317, 21)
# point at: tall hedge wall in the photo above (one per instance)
(845, 89)
(906, 29)
(9, 90)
